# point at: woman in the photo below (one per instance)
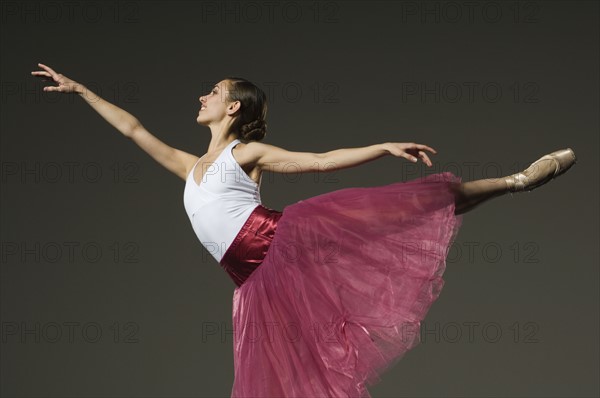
(331, 291)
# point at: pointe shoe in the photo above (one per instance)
(542, 171)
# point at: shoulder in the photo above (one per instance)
(252, 152)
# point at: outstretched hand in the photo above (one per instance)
(410, 151)
(65, 85)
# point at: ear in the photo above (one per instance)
(233, 107)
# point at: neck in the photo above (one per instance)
(220, 135)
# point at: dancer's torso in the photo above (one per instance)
(219, 206)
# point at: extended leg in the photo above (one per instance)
(470, 194)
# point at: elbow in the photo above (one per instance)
(130, 129)
(322, 162)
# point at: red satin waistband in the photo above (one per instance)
(250, 246)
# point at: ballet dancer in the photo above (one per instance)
(331, 291)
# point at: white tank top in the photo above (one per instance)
(220, 205)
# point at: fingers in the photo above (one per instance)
(49, 69)
(425, 158)
(423, 155)
(412, 150)
(41, 73)
(47, 78)
(50, 73)
(421, 146)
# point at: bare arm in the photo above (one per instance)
(275, 159)
(117, 117)
(349, 157)
(176, 161)
(278, 160)
(172, 159)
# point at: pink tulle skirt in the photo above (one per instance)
(346, 279)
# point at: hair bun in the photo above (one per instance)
(255, 130)
(249, 122)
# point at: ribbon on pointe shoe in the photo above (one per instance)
(563, 160)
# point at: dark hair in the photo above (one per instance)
(250, 124)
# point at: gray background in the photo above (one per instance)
(337, 75)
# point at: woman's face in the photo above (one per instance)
(213, 106)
